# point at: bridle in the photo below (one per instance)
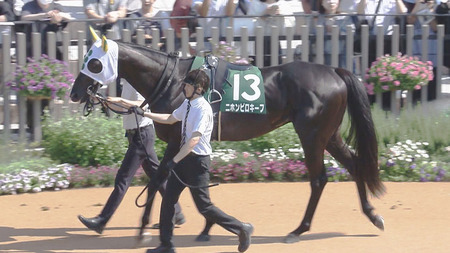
(94, 96)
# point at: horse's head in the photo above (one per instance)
(99, 66)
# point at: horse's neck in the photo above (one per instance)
(140, 71)
(144, 73)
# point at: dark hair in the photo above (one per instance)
(198, 78)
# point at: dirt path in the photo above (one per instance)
(416, 215)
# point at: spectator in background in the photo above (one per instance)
(240, 20)
(17, 8)
(444, 8)
(267, 10)
(108, 12)
(309, 6)
(6, 15)
(147, 11)
(379, 10)
(6, 11)
(409, 4)
(134, 7)
(182, 8)
(217, 8)
(423, 14)
(53, 18)
(332, 7)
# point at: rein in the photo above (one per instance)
(160, 89)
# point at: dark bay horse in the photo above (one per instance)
(313, 97)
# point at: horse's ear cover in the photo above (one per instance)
(94, 34)
(104, 44)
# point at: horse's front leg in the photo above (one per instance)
(153, 186)
(145, 238)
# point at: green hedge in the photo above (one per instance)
(86, 141)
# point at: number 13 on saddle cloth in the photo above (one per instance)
(241, 89)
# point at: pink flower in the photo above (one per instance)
(417, 87)
(385, 87)
(397, 83)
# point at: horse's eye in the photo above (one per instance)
(95, 66)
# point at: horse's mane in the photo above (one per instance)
(146, 51)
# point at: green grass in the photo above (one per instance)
(14, 157)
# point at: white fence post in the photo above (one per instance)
(6, 69)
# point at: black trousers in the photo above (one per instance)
(193, 170)
(134, 158)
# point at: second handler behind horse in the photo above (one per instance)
(191, 164)
(140, 151)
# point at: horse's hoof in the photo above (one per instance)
(292, 238)
(143, 240)
(379, 222)
(203, 238)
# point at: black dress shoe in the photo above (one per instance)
(97, 223)
(162, 249)
(245, 237)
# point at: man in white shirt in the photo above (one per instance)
(140, 152)
(191, 164)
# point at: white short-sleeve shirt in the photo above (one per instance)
(200, 119)
(129, 121)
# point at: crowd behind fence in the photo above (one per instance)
(299, 42)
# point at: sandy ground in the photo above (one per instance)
(416, 219)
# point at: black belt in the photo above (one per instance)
(135, 130)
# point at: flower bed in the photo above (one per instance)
(404, 161)
(32, 181)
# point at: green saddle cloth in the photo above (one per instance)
(241, 87)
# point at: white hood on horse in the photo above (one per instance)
(107, 52)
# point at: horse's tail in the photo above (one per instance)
(362, 133)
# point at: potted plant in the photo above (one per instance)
(400, 72)
(42, 78)
(227, 52)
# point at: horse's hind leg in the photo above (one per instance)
(204, 235)
(337, 148)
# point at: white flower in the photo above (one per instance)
(36, 189)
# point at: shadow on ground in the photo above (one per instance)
(69, 239)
